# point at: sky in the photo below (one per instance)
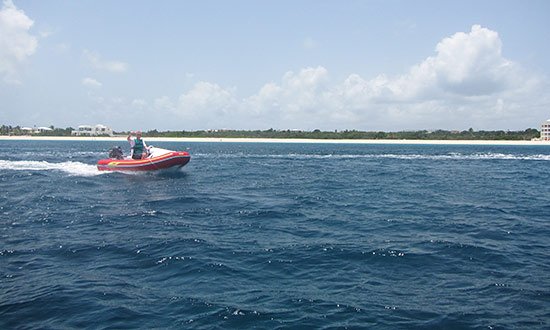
(370, 65)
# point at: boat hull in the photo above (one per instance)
(168, 160)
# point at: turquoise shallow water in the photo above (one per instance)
(274, 236)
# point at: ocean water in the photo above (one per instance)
(276, 236)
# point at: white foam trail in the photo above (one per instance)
(451, 156)
(72, 168)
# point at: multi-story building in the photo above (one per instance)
(92, 130)
(545, 130)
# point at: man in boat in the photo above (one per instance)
(138, 146)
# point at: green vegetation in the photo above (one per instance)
(17, 130)
(470, 134)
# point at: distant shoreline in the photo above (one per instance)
(264, 140)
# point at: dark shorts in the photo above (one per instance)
(136, 156)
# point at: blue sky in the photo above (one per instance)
(189, 65)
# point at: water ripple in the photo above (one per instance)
(276, 236)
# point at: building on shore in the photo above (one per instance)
(88, 130)
(36, 130)
(27, 130)
(545, 130)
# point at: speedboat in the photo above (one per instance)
(158, 159)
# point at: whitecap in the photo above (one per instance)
(70, 167)
(450, 156)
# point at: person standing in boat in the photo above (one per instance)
(138, 146)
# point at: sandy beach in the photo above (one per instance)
(254, 140)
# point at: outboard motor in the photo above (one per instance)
(116, 153)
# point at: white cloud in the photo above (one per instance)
(466, 65)
(16, 43)
(139, 103)
(297, 100)
(469, 64)
(208, 105)
(108, 65)
(206, 96)
(90, 82)
(46, 33)
(163, 104)
(466, 83)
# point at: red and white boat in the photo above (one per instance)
(158, 159)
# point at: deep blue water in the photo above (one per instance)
(271, 236)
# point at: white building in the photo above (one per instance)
(92, 130)
(545, 130)
(27, 130)
(36, 130)
(43, 129)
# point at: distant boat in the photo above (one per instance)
(158, 159)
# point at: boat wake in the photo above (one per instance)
(71, 168)
(450, 156)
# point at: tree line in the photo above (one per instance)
(470, 134)
(18, 130)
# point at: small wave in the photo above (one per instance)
(72, 168)
(477, 156)
(451, 156)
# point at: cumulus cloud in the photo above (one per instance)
(206, 96)
(108, 65)
(298, 98)
(91, 82)
(467, 82)
(208, 102)
(466, 64)
(139, 103)
(16, 43)
(209, 105)
(164, 104)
